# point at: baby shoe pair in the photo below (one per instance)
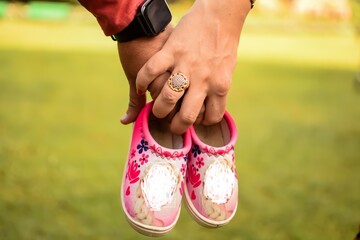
(162, 168)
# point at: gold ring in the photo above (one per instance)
(178, 82)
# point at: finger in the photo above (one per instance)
(190, 108)
(200, 117)
(214, 109)
(155, 66)
(136, 103)
(168, 97)
(156, 86)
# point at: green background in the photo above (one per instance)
(63, 150)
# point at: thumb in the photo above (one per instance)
(136, 103)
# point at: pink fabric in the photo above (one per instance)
(112, 15)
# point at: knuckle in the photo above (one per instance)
(188, 118)
(222, 85)
(169, 98)
(215, 118)
(151, 67)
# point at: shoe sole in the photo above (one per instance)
(200, 219)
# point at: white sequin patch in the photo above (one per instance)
(219, 182)
(158, 185)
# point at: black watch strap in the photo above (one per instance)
(150, 19)
(131, 32)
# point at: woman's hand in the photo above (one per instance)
(203, 47)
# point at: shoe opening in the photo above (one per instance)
(160, 131)
(217, 135)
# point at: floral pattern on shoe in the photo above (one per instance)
(153, 181)
(211, 189)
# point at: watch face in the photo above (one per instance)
(157, 15)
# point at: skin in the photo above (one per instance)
(203, 46)
(133, 55)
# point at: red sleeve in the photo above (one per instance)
(112, 15)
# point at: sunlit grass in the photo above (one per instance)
(62, 148)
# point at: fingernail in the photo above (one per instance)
(139, 92)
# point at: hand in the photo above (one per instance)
(133, 55)
(204, 47)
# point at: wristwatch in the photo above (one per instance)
(151, 18)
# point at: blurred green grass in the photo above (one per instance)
(62, 148)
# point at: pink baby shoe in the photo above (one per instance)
(153, 179)
(211, 189)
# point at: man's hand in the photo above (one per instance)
(133, 55)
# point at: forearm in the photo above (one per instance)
(228, 16)
(234, 11)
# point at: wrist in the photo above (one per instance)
(228, 16)
(151, 19)
(232, 11)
